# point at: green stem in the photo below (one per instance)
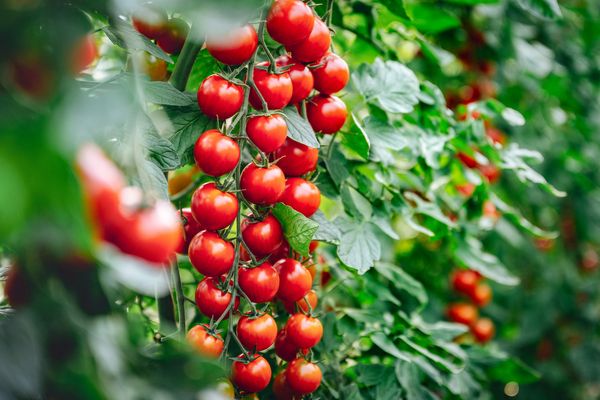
(185, 62)
(179, 297)
(166, 314)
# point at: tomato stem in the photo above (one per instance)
(180, 298)
(185, 62)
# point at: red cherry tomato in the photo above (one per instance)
(289, 22)
(283, 251)
(190, 228)
(332, 75)
(212, 301)
(206, 343)
(302, 304)
(481, 294)
(490, 172)
(276, 89)
(466, 189)
(84, 54)
(467, 160)
(495, 135)
(302, 195)
(267, 132)
(465, 280)
(235, 48)
(314, 46)
(173, 38)
(259, 283)
(303, 376)
(296, 159)
(284, 348)
(304, 331)
(483, 330)
(213, 208)
(262, 186)
(294, 280)
(151, 66)
(313, 246)
(490, 211)
(253, 376)
(210, 254)
(150, 22)
(462, 313)
(282, 390)
(262, 237)
(302, 78)
(326, 114)
(257, 333)
(215, 153)
(219, 98)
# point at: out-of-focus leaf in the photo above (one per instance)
(431, 18)
(385, 343)
(355, 203)
(548, 9)
(328, 231)
(356, 139)
(400, 279)
(428, 208)
(299, 129)
(124, 36)
(164, 93)
(517, 218)
(470, 253)
(298, 230)
(162, 152)
(408, 376)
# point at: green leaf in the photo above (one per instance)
(445, 362)
(385, 343)
(408, 376)
(299, 129)
(370, 375)
(356, 139)
(153, 180)
(396, 7)
(402, 280)
(547, 9)
(355, 203)
(162, 152)
(187, 124)
(328, 231)
(359, 247)
(430, 18)
(164, 93)
(298, 229)
(124, 36)
(428, 208)
(517, 218)
(470, 253)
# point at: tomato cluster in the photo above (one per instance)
(155, 24)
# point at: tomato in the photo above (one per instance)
(259, 283)
(235, 48)
(284, 348)
(283, 251)
(289, 22)
(466, 189)
(303, 376)
(150, 22)
(302, 195)
(84, 54)
(281, 389)
(483, 330)
(190, 228)
(294, 280)
(262, 186)
(302, 78)
(151, 66)
(465, 280)
(206, 343)
(462, 313)
(302, 304)
(481, 294)
(326, 114)
(213, 208)
(212, 301)
(17, 288)
(495, 135)
(467, 160)
(180, 179)
(314, 46)
(490, 172)
(30, 74)
(225, 389)
(173, 38)
(296, 159)
(210, 254)
(304, 331)
(267, 132)
(219, 98)
(331, 75)
(262, 237)
(251, 376)
(215, 153)
(276, 89)
(257, 333)
(314, 244)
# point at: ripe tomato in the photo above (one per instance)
(210, 254)
(495, 135)
(296, 159)
(481, 294)
(314, 46)
(212, 301)
(326, 114)
(150, 22)
(282, 390)
(206, 343)
(174, 35)
(302, 78)
(234, 48)
(219, 98)
(294, 280)
(331, 75)
(213, 208)
(304, 331)
(284, 348)
(259, 283)
(267, 132)
(303, 376)
(302, 304)
(302, 195)
(465, 280)
(490, 172)
(467, 160)
(84, 54)
(251, 376)
(262, 186)
(262, 237)
(30, 74)
(283, 251)
(483, 330)
(151, 66)
(462, 313)
(466, 189)
(276, 89)
(190, 228)
(289, 22)
(490, 210)
(215, 153)
(257, 333)
(314, 244)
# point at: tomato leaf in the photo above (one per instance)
(328, 231)
(299, 129)
(359, 246)
(298, 229)
(547, 9)
(471, 254)
(162, 152)
(164, 93)
(124, 36)
(187, 124)
(356, 139)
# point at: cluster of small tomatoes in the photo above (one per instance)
(469, 283)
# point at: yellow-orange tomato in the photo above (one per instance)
(204, 342)
(181, 179)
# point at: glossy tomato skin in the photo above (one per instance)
(302, 304)
(215, 153)
(262, 237)
(302, 376)
(151, 22)
(462, 313)
(302, 78)
(285, 348)
(314, 46)
(326, 114)
(302, 195)
(84, 54)
(276, 89)
(253, 376)
(304, 331)
(257, 332)
(259, 283)
(207, 344)
(262, 186)
(173, 38)
(483, 330)
(332, 75)
(267, 132)
(212, 301)
(190, 228)
(294, 280)
(296, 159)
(213, 208)
(219, 98)
(481, 294)
(235, 48)
(465, 280)
(289, 22)
(210, 254)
